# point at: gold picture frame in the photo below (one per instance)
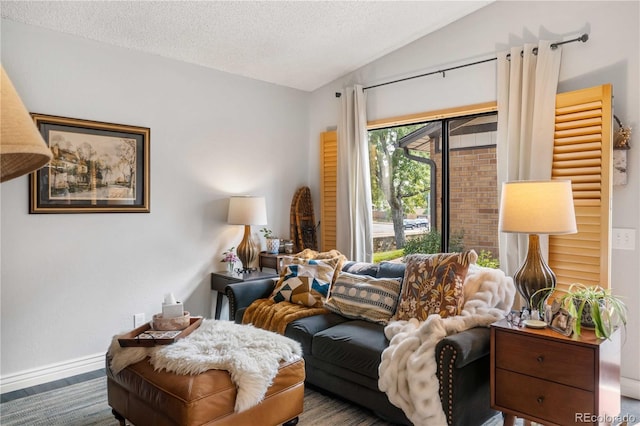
(96, 168)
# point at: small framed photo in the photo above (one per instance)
(96, 168)
(562, 322)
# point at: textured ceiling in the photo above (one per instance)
(300, 44)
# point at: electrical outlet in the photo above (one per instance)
(138, 320)
(623, 239)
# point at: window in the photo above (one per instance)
(434, 184)
(467, 197)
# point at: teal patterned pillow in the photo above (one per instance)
(364, 297)
(304, 281)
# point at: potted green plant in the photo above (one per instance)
(593, 307)
(273, 243)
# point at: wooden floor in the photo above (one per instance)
(57, 384)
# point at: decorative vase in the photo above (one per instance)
(288, 247)
(230, 266)
(273, 245)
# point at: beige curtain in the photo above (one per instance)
(353, 216)
(527, 85)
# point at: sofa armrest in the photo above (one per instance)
(463, 372)
(241, 295)
(466, 346)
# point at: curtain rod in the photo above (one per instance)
(583, 38)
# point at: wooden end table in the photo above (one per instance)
(270, 260)
(220, 280)
(545, 377)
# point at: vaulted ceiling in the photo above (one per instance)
(299, 44)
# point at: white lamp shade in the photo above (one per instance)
(22, 149)
(246, 210)
(537, 207)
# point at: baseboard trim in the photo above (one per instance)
(49, 373)
(630, 387)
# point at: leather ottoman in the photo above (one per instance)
(147, 397)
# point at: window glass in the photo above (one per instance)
(431, 188)
(473, 186)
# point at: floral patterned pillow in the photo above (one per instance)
(433, 285)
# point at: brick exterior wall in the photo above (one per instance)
(473, 196)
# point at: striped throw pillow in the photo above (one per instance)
(364, 297)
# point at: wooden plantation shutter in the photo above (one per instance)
(328, 189)
(582, 153)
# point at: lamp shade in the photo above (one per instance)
(246, 210)
(537, 207)
(22, 149)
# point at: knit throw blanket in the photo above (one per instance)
(250, 355)
(272, 316)
(407, 372)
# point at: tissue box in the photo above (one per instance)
(172, 310)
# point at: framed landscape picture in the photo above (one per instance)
(96, 168)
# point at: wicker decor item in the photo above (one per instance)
(621, 136)
(303, 222)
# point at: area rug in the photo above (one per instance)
(85, 404)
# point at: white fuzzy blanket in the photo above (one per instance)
(408, 368)
(250, 355)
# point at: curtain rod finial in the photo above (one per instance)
(584, 37)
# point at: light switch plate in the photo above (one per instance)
(623, 239)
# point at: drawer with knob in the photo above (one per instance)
(557, 361)
(553, 402)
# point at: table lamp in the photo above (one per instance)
(247, 211)
(22, 149)
(536, 207)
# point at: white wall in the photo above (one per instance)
(610, 56)
(71, 281)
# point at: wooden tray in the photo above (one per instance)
(143, 335)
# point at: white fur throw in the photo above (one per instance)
(250, 355)
(408, 368)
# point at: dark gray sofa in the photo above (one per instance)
(342, 355)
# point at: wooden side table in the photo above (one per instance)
(542, 376)
(269, 260)
(220, 280)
